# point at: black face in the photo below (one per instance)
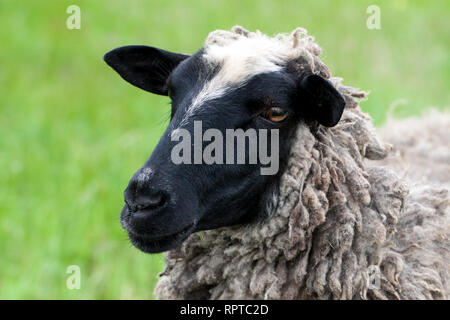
(166, 201)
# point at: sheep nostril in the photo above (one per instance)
(143, 193)
(152, 201)
(148, 202)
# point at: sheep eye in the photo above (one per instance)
(275, 114)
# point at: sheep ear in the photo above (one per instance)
(144, 67)
(323, 102)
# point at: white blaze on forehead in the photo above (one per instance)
(238, 61)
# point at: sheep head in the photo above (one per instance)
(242, 89)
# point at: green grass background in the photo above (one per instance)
(72, 132)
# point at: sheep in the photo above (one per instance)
(331, 225)
(402, 233)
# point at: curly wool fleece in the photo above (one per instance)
(337, 228)
(421, 148)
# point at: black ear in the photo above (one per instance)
(320, 100)
(144, 67)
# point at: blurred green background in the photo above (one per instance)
(72, 132)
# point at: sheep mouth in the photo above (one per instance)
(149, 244)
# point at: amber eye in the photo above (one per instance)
(275, 114)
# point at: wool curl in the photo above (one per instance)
(338, 227)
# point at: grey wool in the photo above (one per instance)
(421, 147)
(340, 225)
